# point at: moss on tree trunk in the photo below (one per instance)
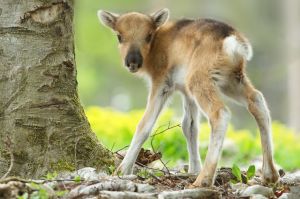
(39, 105)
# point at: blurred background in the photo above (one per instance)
(273, 28)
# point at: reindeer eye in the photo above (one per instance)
(119, 38)
(148, 38)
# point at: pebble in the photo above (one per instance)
(258, 189)
(258, 196)
(89, 173)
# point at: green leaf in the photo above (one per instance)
(143, 173)
(158, 173)
(34, 186)
(77, 179)
(251, 172)
(61, 193)
(111, 169)
(43, 194)
(236, 171)
(51, 176)
(24, 196)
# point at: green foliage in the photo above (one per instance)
(241, 177)
(111, 169)
(236, 171)
(144, 173)
(116, 129)
(77, 179)
(24, 196)
(61, 193)
(39, 193)
(158, 173)
(251, 172)
(51, 176)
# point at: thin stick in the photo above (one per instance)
(152, 140)
(169, 127)
(153, 149)
(121, 149)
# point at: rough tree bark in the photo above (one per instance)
(39, 106)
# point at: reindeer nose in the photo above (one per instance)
(134, 60)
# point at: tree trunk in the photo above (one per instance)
(39, 107)
(291, 13)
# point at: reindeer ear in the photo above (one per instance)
(108, 19)
(160, 17)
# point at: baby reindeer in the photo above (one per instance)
(203, 59)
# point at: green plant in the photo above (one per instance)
(51, 176)
(24, 196)
(240, 176)
(143, 173)
(77, 179)
(236, 171)
(158, 173)
(61, 193)
(250, 172)
(111, 169)
(38, 192)
(172, 144)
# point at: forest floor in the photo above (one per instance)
(148, 183)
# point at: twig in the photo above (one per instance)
(154, 176)
(8, 144)
(155, 134)
(153, 149)
(116, 152)
(142, 165)
(165, 165)
(152, 140)
(45, 181)
(168, 128)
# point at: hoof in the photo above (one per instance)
(270, 178)
(205, 182)
(192, 186)
(117, 172)
(122, 170)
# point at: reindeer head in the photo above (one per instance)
(135, 32)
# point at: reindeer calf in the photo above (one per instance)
(203, 59)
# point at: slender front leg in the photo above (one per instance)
(190, 130)
(156, 101)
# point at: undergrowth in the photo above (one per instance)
(115, 130)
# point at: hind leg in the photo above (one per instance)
(190, 130)
(258, 108)
(243, 92)
(218, 115)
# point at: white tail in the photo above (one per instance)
(232, 47)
